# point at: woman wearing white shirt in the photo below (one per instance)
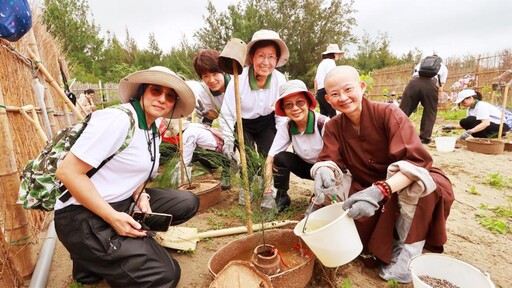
(482, 119)
(303, 131)
(329, 57)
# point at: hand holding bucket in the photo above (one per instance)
(331, 235)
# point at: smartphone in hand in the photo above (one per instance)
(153, 221)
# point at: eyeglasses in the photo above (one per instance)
(157, 90)
(270, 58)
(299, 103)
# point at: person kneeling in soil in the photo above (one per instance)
(394, 186)
(95, 224)
(303, 131)
(482, 119)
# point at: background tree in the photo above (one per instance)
(69, 22)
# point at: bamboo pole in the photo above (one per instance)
(34, 120)
(182, 163)
(55, 86)
(503, 109)
(15, 222)
(241, 144)
(48, 99)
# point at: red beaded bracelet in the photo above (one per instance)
(384, 188)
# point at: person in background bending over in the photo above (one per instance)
(95, 224)
(259, 90)
(482, 119)
(394, 187)
(329, 57)
(303, 131)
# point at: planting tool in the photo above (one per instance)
(185, 238)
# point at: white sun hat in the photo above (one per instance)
(464, 94)
(332, 48)
(268, 35)
(163, 76)
(290, 88)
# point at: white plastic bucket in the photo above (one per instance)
(440, 266)
(445, 143)
(331, 235)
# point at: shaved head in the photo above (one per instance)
(345, 71)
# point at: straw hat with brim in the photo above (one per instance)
(464, 94)
(268, 35)
(291, 88)
(332, 48)
(160, 76)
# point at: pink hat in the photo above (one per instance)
(290, 88)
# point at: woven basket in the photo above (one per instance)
(485, 145)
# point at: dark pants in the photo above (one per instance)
(424, 91)
(286, 162)
(98, 252)
(490, 131)
(325, 108)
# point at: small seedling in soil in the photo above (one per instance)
(496, 181)
(186, 252)
(499, 221)
(392, 284)
(346, 284)
(472, 191)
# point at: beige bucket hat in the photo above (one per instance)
(332, 48)
(268, 35)
(290, 88)
(163, 76)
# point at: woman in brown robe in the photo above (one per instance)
(394, 186)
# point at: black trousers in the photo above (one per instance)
(421, 90)
(286, 162)
(491, 131)
(325, 108)
(97, 250)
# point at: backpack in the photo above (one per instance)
(39, 188)
(15, 19)
(430, 66)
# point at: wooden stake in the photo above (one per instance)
(55, 86)
(241, 144)
(182, 163)
(34, 120)
(503, 109)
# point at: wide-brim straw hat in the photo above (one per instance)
(268, 35)
(332, 48)
(464, 94)
(291, 88)
(163, 76)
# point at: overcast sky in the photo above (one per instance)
(449, 27)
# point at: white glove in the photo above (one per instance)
(228, 149)
(200, 109)
(325, 183)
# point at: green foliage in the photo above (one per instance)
(346, 284)
(76, 285)
(452, 114)
(186, 252)
(497, 181)
(68, 21)
(215, 224)
(472, 191)
(497, 219)
(392, 283)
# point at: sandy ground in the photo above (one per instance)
(467, 239)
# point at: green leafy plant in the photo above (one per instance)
(392, 283)
(346, 284)
(215, 224)
(186, 252)
(472, 191)
(498, 219)
(76, 285)
(496, 181)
